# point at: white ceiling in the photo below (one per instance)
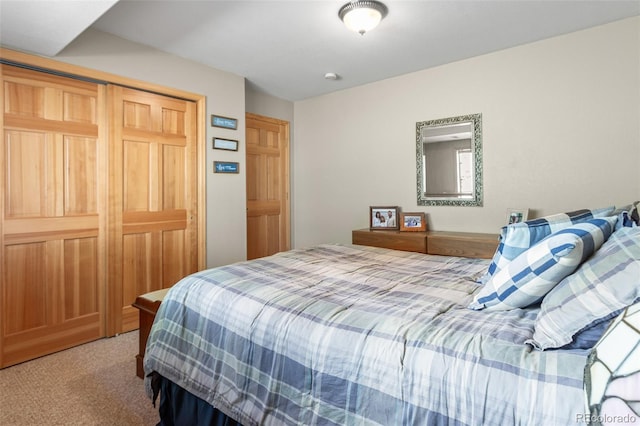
(46, 27)
(284, 48)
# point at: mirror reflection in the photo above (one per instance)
(449, 161)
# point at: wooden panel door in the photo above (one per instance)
(267, 155)
(153, 223)
(53, 226)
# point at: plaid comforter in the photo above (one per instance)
(351, 335)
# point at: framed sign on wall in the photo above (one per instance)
(226, 144)
(225, 167)
(224, 122)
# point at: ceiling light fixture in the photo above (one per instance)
(362, 16)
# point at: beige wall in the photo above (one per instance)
(561, 121)
(556, 115)
(226, 203)
(258, 102)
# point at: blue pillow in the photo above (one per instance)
(532, 274)
(587, 338)
(602, 286)
(518, 237)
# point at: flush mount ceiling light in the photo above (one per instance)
(362, 16)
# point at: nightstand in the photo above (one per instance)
(445, 243)
(462, 244)
(405, 241)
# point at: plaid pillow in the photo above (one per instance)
(518, 237)
(535, 272)
(601, 287)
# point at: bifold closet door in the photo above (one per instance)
(98, 206)
(53, 224)
(153, 198)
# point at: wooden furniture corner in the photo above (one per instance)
(147, 305)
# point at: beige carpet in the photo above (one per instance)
(92, 384)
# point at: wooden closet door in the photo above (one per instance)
(153, 224)
(53, 226)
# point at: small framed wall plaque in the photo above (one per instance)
(226, 144)
(225, 167)
(224, 122)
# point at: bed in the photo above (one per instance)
(354, 335)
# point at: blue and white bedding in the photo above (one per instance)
(352, 335)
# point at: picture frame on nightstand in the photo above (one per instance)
(415, 222)
(516, 215)
(383, 218)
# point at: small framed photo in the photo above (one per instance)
(516, 215)
(227, 144)
(224, 122)
(413, 222)
(384, 218)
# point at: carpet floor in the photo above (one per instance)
(91, 384)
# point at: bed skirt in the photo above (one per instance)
(180, 407)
